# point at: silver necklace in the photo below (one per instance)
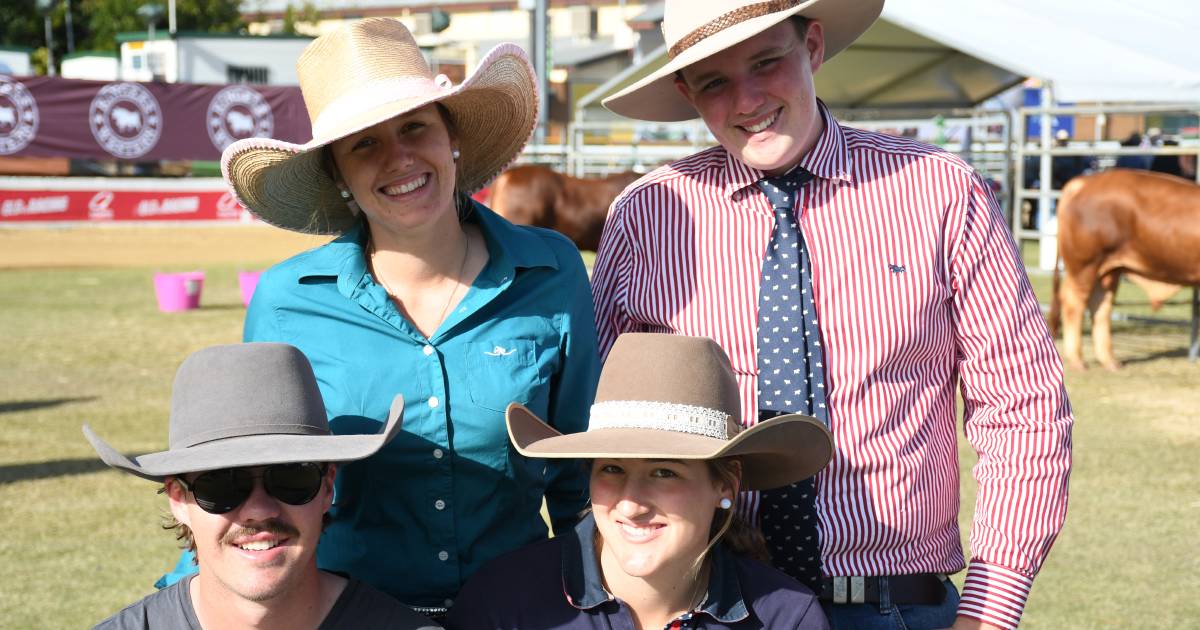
(462, 266)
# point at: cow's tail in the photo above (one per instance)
(1054, 317)
(1055, 314)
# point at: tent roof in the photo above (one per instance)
(1101, 50)
(949, 53)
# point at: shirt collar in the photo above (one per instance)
(828, 158)
(509, 247)
(583, 583)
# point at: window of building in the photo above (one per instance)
(246, 74)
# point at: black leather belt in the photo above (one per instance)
(918, 588)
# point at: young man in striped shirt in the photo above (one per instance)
(859, 278)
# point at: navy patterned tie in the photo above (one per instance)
(791, 376)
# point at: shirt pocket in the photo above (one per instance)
(499, 373)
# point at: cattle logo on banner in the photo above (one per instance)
(126, 119)
(238, 112)
(18, 116)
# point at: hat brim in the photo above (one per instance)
(493, 113)
(655, 98)
(254, 450)
(773, 453)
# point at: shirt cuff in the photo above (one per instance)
(994, 594)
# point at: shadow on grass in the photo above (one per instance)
(33, 471)
(1174, 353)
(45, 403)
(226, 306)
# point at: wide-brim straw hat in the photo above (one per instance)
(251, 404)
(360, 75)
(675, 397)
(698, 29)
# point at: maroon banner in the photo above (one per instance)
(104, 204)
(51, 117)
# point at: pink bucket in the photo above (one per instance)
(178, 291)
(247, 281)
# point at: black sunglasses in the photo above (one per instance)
(220, 491)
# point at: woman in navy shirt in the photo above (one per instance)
(662, 547)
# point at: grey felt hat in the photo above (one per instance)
(675, 397)
(250, 404)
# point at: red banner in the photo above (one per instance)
(101, 204)
(52, 117)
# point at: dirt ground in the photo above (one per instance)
(153, 245)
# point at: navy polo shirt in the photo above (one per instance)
(557, 584)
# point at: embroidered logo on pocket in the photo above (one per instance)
(499, 351)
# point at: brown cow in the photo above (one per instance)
(1143, 224)
(537, 195)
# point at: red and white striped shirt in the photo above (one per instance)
(918, 288)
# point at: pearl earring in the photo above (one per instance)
(726, 503)
(454, 154)
(345, 193)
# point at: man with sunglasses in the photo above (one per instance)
(249, 476)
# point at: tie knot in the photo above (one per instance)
(781, 190)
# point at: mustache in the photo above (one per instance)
(270, 526)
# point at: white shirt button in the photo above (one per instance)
(443, 556)
(428, 350)
(437, 453)
(433, 402)
(439, 504)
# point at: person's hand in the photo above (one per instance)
(967, 623)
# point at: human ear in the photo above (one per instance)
(177, 500)
(814, 43)
(327, 487)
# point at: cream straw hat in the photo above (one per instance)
(697, 29)
(362, 74)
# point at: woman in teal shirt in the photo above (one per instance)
(427, 294)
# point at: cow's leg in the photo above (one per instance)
(1102, 321)
(1073, 294)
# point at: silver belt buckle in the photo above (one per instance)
(858, 590)
(849, 590)
(839, 590)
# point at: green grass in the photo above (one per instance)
(88, 345)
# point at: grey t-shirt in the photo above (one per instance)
(359, 606)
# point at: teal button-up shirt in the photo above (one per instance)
(448, 493)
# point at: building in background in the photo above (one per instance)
(192, 57)
(94, 65)
(15, 61)
(590, 41)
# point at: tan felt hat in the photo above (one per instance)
(675, 397)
